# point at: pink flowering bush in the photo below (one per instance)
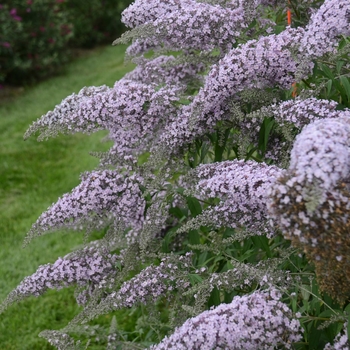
(33, 39)
(223, 205)
(36, 35)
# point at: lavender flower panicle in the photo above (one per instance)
(301, 112)
(73, 114)
(141, 12)
(85, 268)
(241, 186)
(297, 112)
(331, 20)
(121, 110)
(311, 201)
(321, 152)
(101, 195)
(256, 321)
(194, 26)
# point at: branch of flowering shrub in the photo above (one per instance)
(169, 105)
(102, 196)
(151, 284)
(262, 63)
(86, 268)
(130, 111)
(309, 201)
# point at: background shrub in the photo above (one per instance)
(36, 35)
(33, 39)
(95, 21)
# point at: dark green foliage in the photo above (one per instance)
(37, 36)
(33, 39)
(95, 22)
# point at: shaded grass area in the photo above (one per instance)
(32, 176)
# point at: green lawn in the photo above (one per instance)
(32, 176)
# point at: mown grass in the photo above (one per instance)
(32, 176)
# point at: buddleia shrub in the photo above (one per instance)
(223, 204)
